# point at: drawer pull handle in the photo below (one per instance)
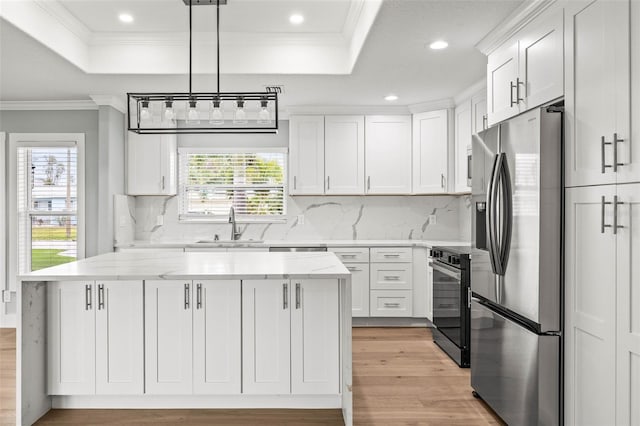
(350, 256)
(391, 278)
(353, 269)
(391, 255)
(391, 305)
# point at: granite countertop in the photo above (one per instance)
(181, 266)
(302, 243)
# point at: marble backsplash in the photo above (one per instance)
(308, 218)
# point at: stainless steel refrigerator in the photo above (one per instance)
(516, 309)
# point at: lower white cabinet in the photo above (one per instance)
(94, 332)
(391, 303)
(602, 355)
(359, 288)
(290, 342)
(422, 291)
(192, 335)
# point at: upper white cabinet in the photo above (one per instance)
(598, 94)
(95, 338)
(306, 156)
(344, 154)
(479, 117)
(463, 126)
(527, 70)
(152, 168)
(388, 154)
(430, 152)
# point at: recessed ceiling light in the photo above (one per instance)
(296, 19)
(440, 44)
(126, 18)
(391, 98)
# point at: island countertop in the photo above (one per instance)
(181, 266)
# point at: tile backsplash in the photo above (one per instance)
(308, 218)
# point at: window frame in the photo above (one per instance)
(201, 218)
(43, 140)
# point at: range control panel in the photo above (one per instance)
(449, 257)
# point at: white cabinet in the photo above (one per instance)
(598, 94)
(168, 337)
(388, 154)
(602, 362)
(119, 338)
(463, 125)
(152, 168)
(356, 260)
(315, 357)
(422, 293)
(430, 152)
(71, 337)
(290, 335)
(306, 155)
(95, 337)
(217, 355)
(479, 113)
(192, 335)
(391, 282)
(344, 154)
(266, 338)
(527, 70)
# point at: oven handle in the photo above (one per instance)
(447, 270)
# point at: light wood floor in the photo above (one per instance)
(400, 378)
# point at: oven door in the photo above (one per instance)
(447, 302)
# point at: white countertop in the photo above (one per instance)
(302, 243)
(181, 266)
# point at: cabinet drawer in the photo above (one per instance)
(391, 303)
(351, 254)
(390, 276)
(391, 254)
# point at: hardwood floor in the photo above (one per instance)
(400, 378)
(7, 376)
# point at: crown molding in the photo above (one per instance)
(513, 23)
(431, 105)
(47, 105)
(348, 110)
(466, 94)
(65, 18)
(353, 16)
(110, 100)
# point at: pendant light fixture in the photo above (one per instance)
(203, 112)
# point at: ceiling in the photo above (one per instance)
(347, 52)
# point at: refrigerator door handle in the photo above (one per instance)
(491, 216)
(506, 212)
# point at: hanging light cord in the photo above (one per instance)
(218, 44)
(190, 42)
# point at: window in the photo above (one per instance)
(212, 181)
(48, 190)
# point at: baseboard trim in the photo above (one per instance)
(197, 401)
(390, 322)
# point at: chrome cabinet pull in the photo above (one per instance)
(391, 305)
(295, 182)
(615, 143)
(328, 183)
(391, 255)
(348, 256)
(186, 296)
(511, 101)
(87, 297)
(485, 121)
(603, 203)
(602, 152)
(199, 296)
(368, 183)
(285, 296)
(297, 295)
(100, 296)
(518, 83)
(616, 203)
(391, 278)
(163, 183)
(353, 269)
(442, 180)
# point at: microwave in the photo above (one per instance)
(469, 163)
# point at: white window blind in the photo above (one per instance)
(47, 206)
(211, 182)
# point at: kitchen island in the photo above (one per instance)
(185, 330)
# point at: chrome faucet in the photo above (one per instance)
(235, 235)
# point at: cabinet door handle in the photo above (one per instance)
(348, 256)
(391, 278)
(391, 255)
(368, 183)
(186, 297)
(391, 305)
(285, 294)
(100, 296)
(295, 182)
(511, 101)
(603, 204)
(616, 203)
(87, 297)
(442, 180)
(485, 121)
(328, 183)
(199, 296)
(518, 83)
(163, 183)
(615, 143)
(603, 143)
(297, 295)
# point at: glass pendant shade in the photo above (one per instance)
(145, 114)
(192, 114)
(169, 113)
(264, 116)
(217, 118)
(240, 116)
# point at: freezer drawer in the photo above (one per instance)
(516, 371)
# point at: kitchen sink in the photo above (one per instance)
(230, 242)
